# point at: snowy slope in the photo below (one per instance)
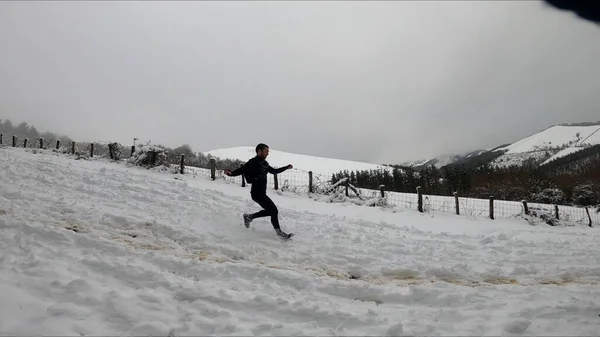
(549, 144)
(564, 152)
(97, 248)
(591, 139)
(553, 137)
(319, 165)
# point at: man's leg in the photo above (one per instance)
(269, 209)
(249, 217)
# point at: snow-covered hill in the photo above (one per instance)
(549, 144)
(91, 247)
(277, 158)
(541, 148)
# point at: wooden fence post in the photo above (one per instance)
(25, 142)
(276, 181)
(91, 149)
(456, 204)
(110, 151)
(14, 141)
(73, 147)
(492, 207)
(589, 217)
(58, 144)
(182, 164)
(347, 186)
(382, 190)
(1, 139)
(153, 157)
(419, 199)
(243, 179)
(310, 181)
(41, 143)
(525, 207)
(556, 212)
(213, 168)
(132, 150)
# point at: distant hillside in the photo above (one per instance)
(442, 161)
(550, 144)
(319, 165)
(541, 148)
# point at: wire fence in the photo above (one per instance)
(298, 181)
(310, 183)
(99, 149)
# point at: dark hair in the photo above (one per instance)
(261, 146)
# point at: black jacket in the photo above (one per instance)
(258, 168)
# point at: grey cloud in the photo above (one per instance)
(379, 82)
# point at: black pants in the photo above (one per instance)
(269, 209)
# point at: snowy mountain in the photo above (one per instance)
(277, 158)
(550, 144)
(97, 247)
(540, 148)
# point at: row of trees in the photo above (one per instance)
(573, 179)
(24, 130)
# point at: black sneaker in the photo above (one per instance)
(283, 234)
(247, 220)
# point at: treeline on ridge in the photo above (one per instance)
(24, 130)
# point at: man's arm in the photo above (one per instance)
(240, 170)
(278, 170)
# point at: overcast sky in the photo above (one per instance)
(380, 82)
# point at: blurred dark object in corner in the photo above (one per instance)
(585, 9)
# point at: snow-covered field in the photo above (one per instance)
(91, 247)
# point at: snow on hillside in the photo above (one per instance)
(592, 139)
(444, 160)
(414, 163)
(91, 247)
(553, 137)
(319, 165)
(437, 161)
(548, 144)
(564, 152)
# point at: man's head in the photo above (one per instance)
(262, 150)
